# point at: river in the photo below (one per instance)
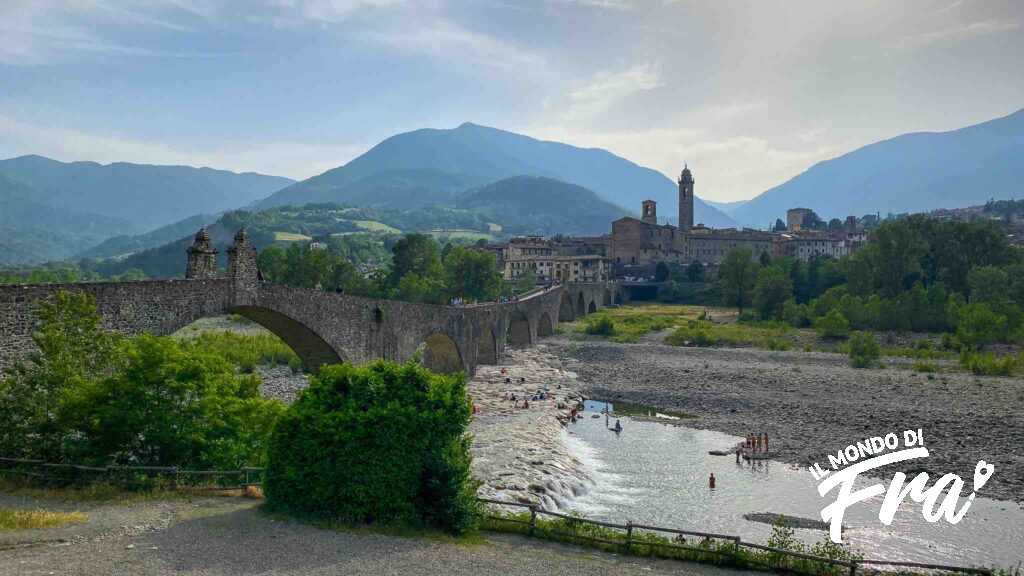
(657, 474)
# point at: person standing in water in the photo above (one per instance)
(711, 481)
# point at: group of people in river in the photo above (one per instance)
(540, 395)
(756, 442)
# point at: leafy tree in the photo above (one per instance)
(978, 326)
(736, 277)
(695, 271)
(764, 259)
(527, 281)
(381, 443)
(864, 350)
(171, 405)
(988, 285)
(832, 325)
(415, 254)
(772, 290)
(661, 272)
(72, 349)
(471, 273)
(780, 226)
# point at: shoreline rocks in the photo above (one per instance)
(518, 453)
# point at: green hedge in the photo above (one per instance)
(380, 443)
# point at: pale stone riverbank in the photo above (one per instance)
(519, 453)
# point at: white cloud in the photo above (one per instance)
(325, 11)
(280, 158)
(35, 33)
(974, 29)
(443, 38)
(607, 88)
(743, 166)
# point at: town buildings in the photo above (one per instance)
(636, 245)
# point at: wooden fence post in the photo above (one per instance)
(629, 535)
(533, 519)
(736, 551)
(853, 569)
(174, 478)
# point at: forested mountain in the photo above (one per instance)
(915, 172)
(32, 232)
(128, 244)
(429, 165)
(146, 196)
(544, 206)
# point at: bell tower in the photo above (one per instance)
(650, 212)
(685, 199)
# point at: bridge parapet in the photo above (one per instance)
(321, 327)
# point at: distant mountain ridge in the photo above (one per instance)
(471, 156)
(32, 232)
(544, 206)
(146, 195)
(915, 172)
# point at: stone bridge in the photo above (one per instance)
(322, 327)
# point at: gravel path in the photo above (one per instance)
(228, 536)
(812, 403)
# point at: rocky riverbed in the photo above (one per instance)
(519, 453)
(813, 403)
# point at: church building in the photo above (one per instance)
(637, 245)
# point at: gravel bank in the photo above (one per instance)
(813, 403)
(229, 536)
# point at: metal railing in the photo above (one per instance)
(173, 478)
(630, 530)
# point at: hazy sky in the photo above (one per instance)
(748, 93)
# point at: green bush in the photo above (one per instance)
(979, 326)
(925, 367)
(599, 324)
(988, 364)
(381, 443)
(170, 406)
(91, 397)
(864, 350)
(695, 333)
(832, 325)
(246, 350)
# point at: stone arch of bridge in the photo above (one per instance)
(441, 354)
(566, 311)
(607, 297)
(544, 325)
(592, 307)
(487, 347)
(519, 329)
(310, 347)
(581, 305)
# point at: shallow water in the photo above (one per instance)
(657, 474)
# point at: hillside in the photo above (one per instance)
(148, 196)
(545, 206)
(292, 224)
(128, 244)
(32, 232)
(471, 156)
(915, 172)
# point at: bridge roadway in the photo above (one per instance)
(322, 327)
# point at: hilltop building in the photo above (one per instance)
(637, 245)
(557, 259)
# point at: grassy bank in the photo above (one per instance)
(32, 519)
